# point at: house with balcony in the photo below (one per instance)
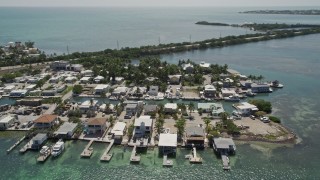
(45, 121)
(96, 125)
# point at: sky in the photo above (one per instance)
(159, 3)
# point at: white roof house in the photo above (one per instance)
(168, 140)
(70, 79)
(227, 92)
(209, 88)
(118, 129)
(245, 108)
(9, 88)
(31, 87)
(101, 87)
(143, 120)
(98, 79)
(85, 79)
(169, 107)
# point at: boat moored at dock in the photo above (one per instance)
(58, 148)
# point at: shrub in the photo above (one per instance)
(274, 119)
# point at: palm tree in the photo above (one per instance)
(191, 107)
(207, 123)
(111, 121)
(180, 125)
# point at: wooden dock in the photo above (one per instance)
(15, 145)
(43, 157)
(135, 158)
(166, 162)
(194, 158)
(87, 152)
(225, 162)
(106, 156)
(26, 147)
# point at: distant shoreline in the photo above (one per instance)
(292, 12)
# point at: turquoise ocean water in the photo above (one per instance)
(294, 61)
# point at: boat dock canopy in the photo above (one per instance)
(168, 140)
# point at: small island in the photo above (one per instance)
(292, 12)
(212, 23)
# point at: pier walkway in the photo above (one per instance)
(166, 162)
(87, 152)
(194, 158)
(16, 144)
(26, 147)
(135, 158)
(106, 156)
(225, 162)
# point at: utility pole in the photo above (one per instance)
(190, 38)
(159, 40)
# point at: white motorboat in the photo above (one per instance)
(45, 150)
(232, 99)
(57, 148)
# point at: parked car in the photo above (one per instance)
(265, 119)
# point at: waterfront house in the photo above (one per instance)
(45, 121)
(49, 92)
(224, 145)
(167, 144)
(137, 91)
(119, 91)
(101, 89)
(18, 93)
(175, 79)
(118, 132)
(65, 131)
(245, 108)
(131, 109)
(209, 91)
(226, 92)
(246, 84)
(142, 127)
(260, 88)
(170, 108)
(194, 136)
(215, 109)
(228, 82)
(59, 65)
(150, 109)
(29, 102)
(7, 121)
(88, 105)
(153, 91)
(85, 80)
(96, 125)
(188, 68)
